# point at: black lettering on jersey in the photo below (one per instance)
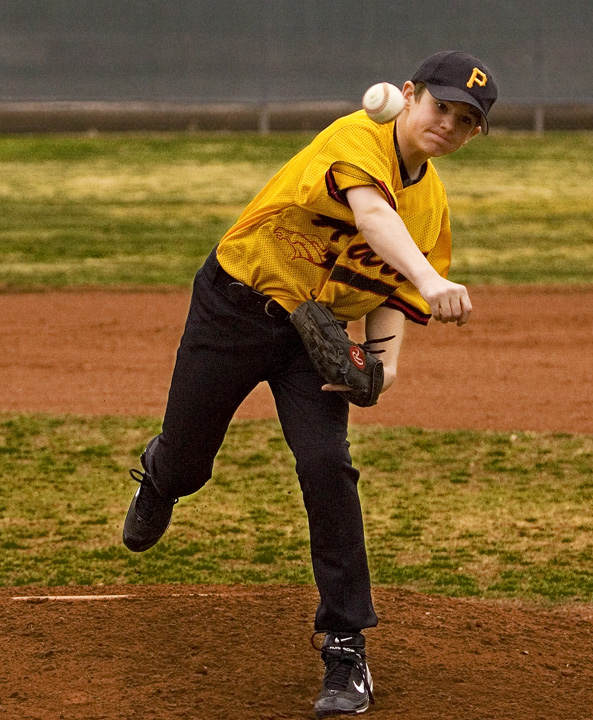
(367, 258)
(341, 227)
(347, 276)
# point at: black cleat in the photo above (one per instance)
(347, 685)
(149, 514)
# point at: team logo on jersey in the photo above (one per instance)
(307, 247)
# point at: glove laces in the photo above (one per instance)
(367, 345)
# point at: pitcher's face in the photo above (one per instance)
(438, 127)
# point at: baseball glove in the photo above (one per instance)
(337, 358)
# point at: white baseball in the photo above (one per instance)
(383, 102)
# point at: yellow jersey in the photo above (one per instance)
(297, 238)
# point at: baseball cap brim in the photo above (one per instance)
(454, 94)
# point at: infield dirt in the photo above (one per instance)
(201, 652)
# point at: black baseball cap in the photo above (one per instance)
(459, 77)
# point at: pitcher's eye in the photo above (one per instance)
(470, 120)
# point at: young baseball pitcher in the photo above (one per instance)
(357, 222)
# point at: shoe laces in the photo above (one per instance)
(148, 495)
(339, 667)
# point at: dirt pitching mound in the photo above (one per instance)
(206, 653)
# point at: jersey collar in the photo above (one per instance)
(403, 171)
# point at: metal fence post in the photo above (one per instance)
(539, 119)
(263, 119)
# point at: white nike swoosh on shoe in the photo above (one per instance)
(360, 687)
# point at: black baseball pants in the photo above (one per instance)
(227, 348)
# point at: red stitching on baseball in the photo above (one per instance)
(383, 105)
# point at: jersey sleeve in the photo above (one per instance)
(355, 154)
(342, 176)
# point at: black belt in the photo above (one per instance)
(246, 296)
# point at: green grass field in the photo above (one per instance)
(130, 210)
(457, 513)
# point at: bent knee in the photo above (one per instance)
(176, 473)
(332, 464)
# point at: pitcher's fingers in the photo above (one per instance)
(336, 388)
(437, 309)
(456, 310)
(447, 311)
(466, 310)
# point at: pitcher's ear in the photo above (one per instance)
(408, 89)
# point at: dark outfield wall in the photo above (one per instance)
(258, 51)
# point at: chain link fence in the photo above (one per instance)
(276, 64)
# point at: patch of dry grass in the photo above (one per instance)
(460, 513)
(522, 205)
